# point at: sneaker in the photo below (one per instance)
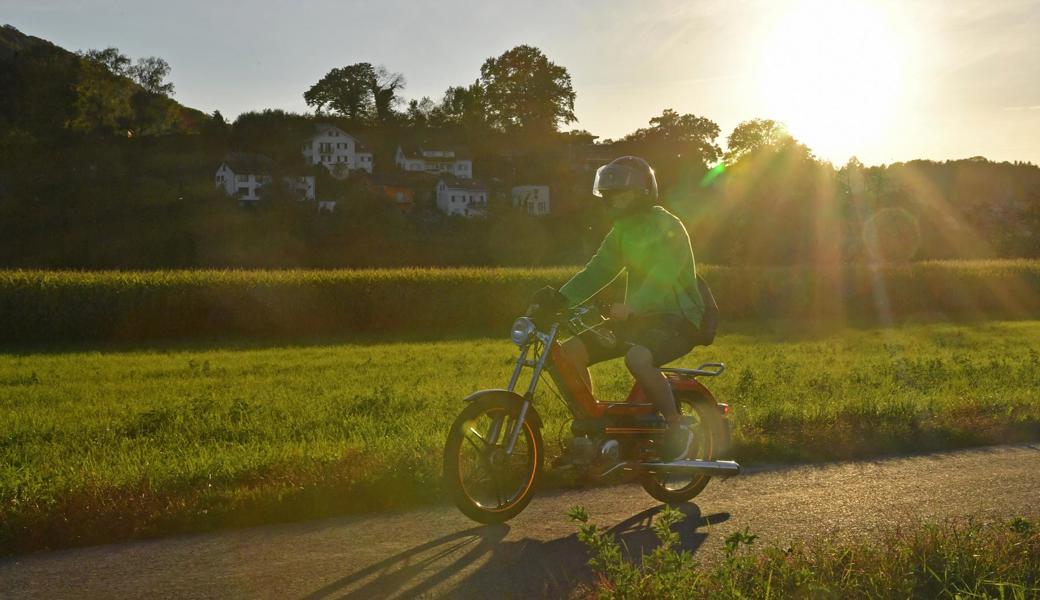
(678, 441)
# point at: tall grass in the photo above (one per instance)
(953, 559)
(41, 306)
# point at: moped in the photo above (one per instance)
(494, 455)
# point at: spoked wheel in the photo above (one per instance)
(704, 420)
(487, 484)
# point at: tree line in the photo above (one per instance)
(101, 168)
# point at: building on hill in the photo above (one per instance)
(435, 159)
(589, 157)
(244, 176)
(401, 188)
(337, 150)
(533, 198)
(461, 197)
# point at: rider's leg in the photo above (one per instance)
(578, 355)
(640, 362)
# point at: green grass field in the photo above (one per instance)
(126, 442)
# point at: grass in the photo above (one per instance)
(122, 443)
(955, 559)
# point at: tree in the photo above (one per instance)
(421, 112)
(749, 136)
(346, 91)
(111, 58)
(675, 135)
(384, 86)
(525, 91)
(465, 107)
(150, 73)
(359, 92)
(103, 100)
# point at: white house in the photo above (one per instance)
(435, 159)
(244, 176)
(337, 150)
(461, 197)
(534, 198)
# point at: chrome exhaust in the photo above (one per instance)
(713, 468)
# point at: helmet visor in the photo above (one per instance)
(619, 177)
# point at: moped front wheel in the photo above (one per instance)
(487, 483)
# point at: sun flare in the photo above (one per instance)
(836, 73)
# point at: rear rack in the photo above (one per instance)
(717, 369)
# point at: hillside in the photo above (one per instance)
(49, 88)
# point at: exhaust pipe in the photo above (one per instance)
(713, 468)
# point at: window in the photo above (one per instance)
(243, 191)
(241, 178)
(326, 147)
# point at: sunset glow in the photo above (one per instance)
(836, 74)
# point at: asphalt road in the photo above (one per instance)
(437, 552)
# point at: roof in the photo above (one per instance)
(362, 146)
(593, 152)
(457, 183)
(404, 179)
(248, 164)
(418, 150)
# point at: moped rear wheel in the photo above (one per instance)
(485, 483)
(706, 423)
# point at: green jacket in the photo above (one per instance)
(653, 248)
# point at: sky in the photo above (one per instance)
(882, 80)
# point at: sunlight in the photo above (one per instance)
(836, 73)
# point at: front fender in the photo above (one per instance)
(513, 397)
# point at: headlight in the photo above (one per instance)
(523, 329)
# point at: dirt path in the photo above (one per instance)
(438, 552)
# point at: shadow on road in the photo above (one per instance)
(484, 563)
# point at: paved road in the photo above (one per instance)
(438, 552)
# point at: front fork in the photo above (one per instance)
(538, 363)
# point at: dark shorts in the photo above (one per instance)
(667, 336)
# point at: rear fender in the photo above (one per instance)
(692, 386)
(512, 397)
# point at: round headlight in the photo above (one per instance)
(523, 329)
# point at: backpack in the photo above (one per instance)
(710, 318)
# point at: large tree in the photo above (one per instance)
(346, 91)
(750, 136)
(525, 91)
(359, 92)
(679, 135)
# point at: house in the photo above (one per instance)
(400, 188)
(533, 198)
(337, 150)
(435, 159)
(244, 176)
(589, 157)
(461, 197)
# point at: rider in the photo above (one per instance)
(658, 321)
